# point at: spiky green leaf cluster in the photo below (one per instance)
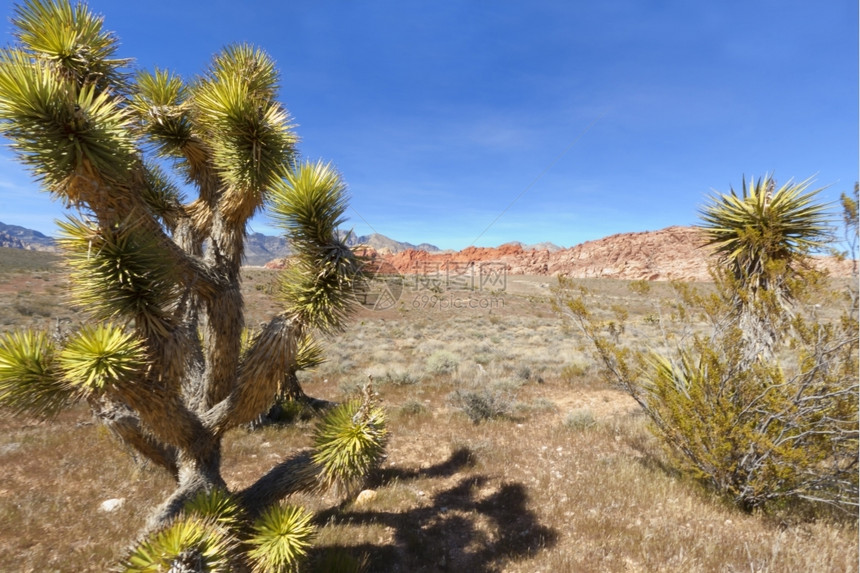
(280, 539)
(213, 534)
(99, 356)
(320, 295)
(216, 505)
(188, 544)
(159, 102)
(29, 382)
(229, 120)
(764, 228)
(59, 97)
(120, 272)
(309, 203)
(59, 129)
(309, 354)
(248, 131)
(252, 66)
(71, 39)
(349, 442)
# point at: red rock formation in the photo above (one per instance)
(674, 253)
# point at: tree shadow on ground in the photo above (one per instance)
(474, 525)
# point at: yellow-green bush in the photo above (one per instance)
(762, 405)
(757, 430)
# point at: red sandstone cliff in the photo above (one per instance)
(674, 253)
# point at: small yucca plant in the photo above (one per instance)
(280, 538)
(756, 424)
(762, 239)
(349, 442)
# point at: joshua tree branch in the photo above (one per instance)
(261, 374)
(126, 425)
(296, 473)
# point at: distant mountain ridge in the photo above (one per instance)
(673, 253)
(16, 237)
(259, 248)
(381, 244)
(544, 246)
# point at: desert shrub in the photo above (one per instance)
(763, 406)
(484, 404)
(412, 408)
(377, 372)
(402, 377)
(760, 432)
(35, 307)
(24, 308)
(343, 366)
(573, 372)
(579, 420)
(442, 362)
(483, 358)
(289, 411)
(430, 346)
(536, 406)
(508, 384)
(342, 561)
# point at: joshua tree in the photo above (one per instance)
(161, 362)
(762, 239)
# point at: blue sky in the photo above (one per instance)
(478, 122)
